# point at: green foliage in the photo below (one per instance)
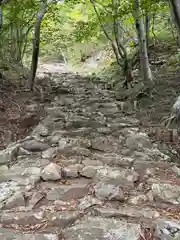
(18, 21)
(72, 28)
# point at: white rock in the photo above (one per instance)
(51, 172)
(88, 171)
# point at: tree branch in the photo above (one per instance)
(106, 34)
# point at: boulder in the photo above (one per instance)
(51, 172)
(34, 146)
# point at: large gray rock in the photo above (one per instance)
(87, 202)
(105, 144)
(55, 138)
(108, 108)
(88, 171)
(127, 211)
(72, 171)
(125, 122)
(113, 159)
(61, 219)
(166, 192)
(16, 200)
(138, 200)
(117, 176)
(105, 191)
(156, 154)
(7, 189)
(9, 155)
(8, 234)
(139, 141)
(35, 146)
(82, 142)
(167, 229)
(67, 192)
(76, 121)
(40, 130)
(31, 161)
(23, 176)
(90, 162)
(50, 153)
(75, 151)
(22, 218)
(102, 229)
(51, 172)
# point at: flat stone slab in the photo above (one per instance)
(61, 219)
(22, 218)
(7, 189)
(35, 146)
(9, 234)
(23, 176)
(167, 229)
(127, 211)
(9, 154)
(113, 159)
(119, 176)
(166, 192)
(67, 193)
(102, 229)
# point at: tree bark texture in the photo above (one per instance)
(175, 10)
(36, 44)
(144, 61)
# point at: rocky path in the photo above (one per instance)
(87, 172)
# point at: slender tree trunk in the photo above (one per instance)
(128, 73)
(127, 68)
(119, 49)
(175, 9)
(153, 27)
(25, 41)
(36, 43)
(1, 19)
(147, 27)
(114, 46)
(144, 61)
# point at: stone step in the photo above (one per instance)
(10, 234)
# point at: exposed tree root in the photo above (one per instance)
(169, 120)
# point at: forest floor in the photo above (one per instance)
(15, 119)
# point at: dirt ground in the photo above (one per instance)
(15, 121)
(155, 111)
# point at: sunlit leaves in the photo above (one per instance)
(75, 21)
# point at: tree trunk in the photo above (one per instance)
(144, 61)
(114, 46)
(36, 43)
(127, 68)
(175, 9)
(1, 19)
(147, 27)
(128, 74)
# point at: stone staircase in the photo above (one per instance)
(87, 172)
